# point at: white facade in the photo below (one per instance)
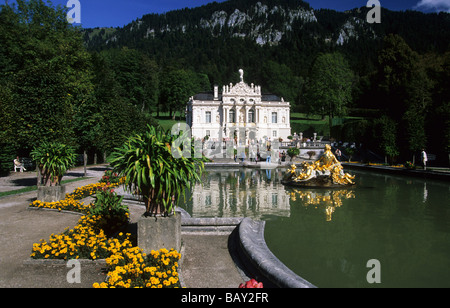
(240, 112)
(251, 194)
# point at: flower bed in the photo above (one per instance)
(131, 268)
(72, 200)
(128, 266)
(85, 241)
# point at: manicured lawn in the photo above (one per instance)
(166, 121)
(308, 125)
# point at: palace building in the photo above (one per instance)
(241, 112)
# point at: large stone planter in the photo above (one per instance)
(155, 233)
(51, 193)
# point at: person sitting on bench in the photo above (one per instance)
(18, 164)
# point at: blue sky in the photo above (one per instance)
(113, 13)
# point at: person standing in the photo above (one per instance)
(424, 159)
(252, 155)
(268, 146)
(338, 154)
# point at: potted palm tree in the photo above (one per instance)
(53, 159)
(159, 172)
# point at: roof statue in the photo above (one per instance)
(241, 73)
(241, 88)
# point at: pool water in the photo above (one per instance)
(328, 237)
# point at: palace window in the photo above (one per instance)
(274, 117)
(208, 116)
(232, 116)
(274, 134)
(251, 116)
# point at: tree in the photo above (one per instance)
(328, 88)
(279, 79)
(293, 152)
(48, 72)
(136, 75)
(405, 91)
(109, 118)
(150, 83)
(385, 133)
(7, 150)
(438, 115)
(443, 106)
(177, 86)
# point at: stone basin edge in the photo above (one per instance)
(254, 247)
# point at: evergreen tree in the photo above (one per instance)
(405, 92)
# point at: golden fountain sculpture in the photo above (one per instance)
(327, 171)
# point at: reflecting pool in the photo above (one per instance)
(329, 236)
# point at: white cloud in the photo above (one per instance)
(438, 5)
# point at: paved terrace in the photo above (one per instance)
(206, 259)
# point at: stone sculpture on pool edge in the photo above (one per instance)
(327, 171)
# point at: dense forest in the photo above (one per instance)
(92, 88)
(396, 68)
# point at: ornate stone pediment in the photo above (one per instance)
(241, 88)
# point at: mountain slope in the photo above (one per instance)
(219, 38)
(268, 22)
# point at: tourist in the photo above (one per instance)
(252, 155)
(18, 164)
(338, 154)
(424, 159)
(243, 157)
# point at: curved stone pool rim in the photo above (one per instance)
(255, 250)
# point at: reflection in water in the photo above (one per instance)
(256, 193)
(327, 199)
(425, 192)
(239, 193)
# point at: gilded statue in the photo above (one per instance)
(327, 171)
